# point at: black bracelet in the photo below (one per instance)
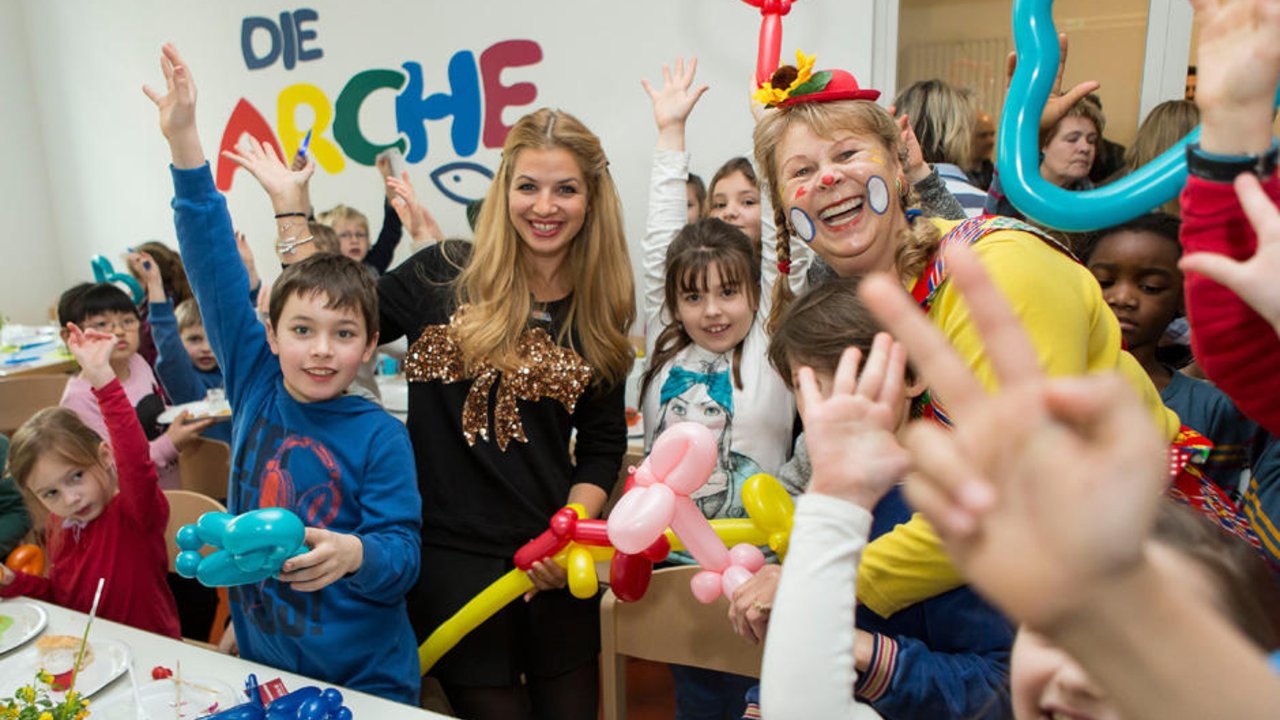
(290, 214)
(1225, 168)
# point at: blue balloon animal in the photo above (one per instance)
(1036, 41)
(251, 547)
(308, 703)
(104, 272)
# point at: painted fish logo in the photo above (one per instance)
(462, 182)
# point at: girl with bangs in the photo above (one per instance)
(707, 352)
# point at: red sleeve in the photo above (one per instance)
(32, 586)
(1233, 344)
(135, 472)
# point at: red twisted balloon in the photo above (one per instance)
(770, 36)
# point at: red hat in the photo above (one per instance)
(802, 85)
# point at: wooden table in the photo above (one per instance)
(149, 650)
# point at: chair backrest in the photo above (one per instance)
(205, 467)
(668, 625)
(22, 396)
(186, 507)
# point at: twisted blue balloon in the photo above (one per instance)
(251, 547)
(104, 272)
(1036, 41)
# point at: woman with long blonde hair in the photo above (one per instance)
(516, 341)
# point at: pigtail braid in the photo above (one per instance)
(918, 242)
(782, 295)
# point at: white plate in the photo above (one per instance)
(110, 660)
(19, 622)
(199, 410)
(200, 697)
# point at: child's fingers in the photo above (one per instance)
(893, 390)
(1009, 349)
(1258, 207)
(846, 377)
(933, 355)
(810, 396)
(941, 466)
(874, 369)
(1218, 268)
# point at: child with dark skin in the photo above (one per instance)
(1137, 266)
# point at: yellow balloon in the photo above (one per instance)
(583, 581)
(772, 509)
(470, 616)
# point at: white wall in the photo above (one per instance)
(30, 260)
(97, 135)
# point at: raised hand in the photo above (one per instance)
(1045, 490)
(850, 434)
(1254, 280)
(144, 268)
(92, 351)
(674, 101)
(285, 186)
(1237, 69)
(383, 163)
(1059, 102)
(916, 168)
(415, 217)
(177, 108)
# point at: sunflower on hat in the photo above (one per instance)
(787, 80)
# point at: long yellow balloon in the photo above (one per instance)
(770, 524)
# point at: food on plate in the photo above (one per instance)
(58, 658)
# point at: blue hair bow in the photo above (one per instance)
(718, 386)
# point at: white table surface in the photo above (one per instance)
(149, 650)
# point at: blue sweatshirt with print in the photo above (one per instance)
(342, 464)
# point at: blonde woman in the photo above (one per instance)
(516, 341)
(943, 118)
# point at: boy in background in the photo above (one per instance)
(1136, 264)
(184, 361)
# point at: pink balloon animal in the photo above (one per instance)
(681, 461)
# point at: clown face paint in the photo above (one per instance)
(802, 224)
(878, 194)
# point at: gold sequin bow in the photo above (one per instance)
(546, 370)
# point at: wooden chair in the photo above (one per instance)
(22, 396)
(667, 625)
(205, 467)
(185, 507)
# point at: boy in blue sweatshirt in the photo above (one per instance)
(336, 613)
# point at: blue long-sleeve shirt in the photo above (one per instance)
(343, 464)
(182, 380)
(944, 657)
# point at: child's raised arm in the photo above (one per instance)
(178, 110)
(415, 217)
(672, 104)
(207, 239)
(286, 187)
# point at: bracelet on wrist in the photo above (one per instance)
(1224, 168)
(290, 214)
